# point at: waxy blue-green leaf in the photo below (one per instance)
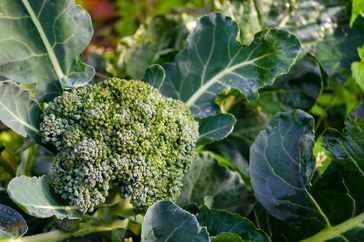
(40, 42)
(209, 178)
(12, 224)
(220, 221)
(165, 221)
(216, 127)
(214, 60)
(330, 207)
(18, 111)
(35, 197)
(282, 164)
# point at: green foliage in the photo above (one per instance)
(357, 9)
(262, 87)
(43, 40)
(166, 221)
(209, 178)
(18, 111)
(216, 127)
(123, 132)
(282, 165)
(201, 70)
(220, 221)
(357, 68)
(36, 197)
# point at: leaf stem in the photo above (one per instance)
(102, 76)
(336, 231)
(58, 235)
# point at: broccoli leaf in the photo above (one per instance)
(299, 89)
(41, 42)
(215, 60)
(18, 111)
(35, 196)
(216, 127)
(154, 75)
(165, 221)
(208, 178)
(12, 224)
(281, 163)
(220, 221)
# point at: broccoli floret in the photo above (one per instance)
(119, 132)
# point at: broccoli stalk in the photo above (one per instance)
(119, 132)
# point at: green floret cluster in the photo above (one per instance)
(119, 132)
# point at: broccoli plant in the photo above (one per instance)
(233, 133)
(123, 133)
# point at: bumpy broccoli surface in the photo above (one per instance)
(118, 132)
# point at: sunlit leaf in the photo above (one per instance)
(41, 42)
(18, 111)
(36, 197)
(165, 221)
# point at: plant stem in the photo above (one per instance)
(337, 230)
(58, 235)
(102, 76)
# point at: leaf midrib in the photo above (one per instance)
(52, 56)
(337, 230)
(202, 89)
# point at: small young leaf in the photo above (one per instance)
(18, 111)
(165, 221)
(227, 237)
(155, 76)
(214, 60)
(41, 42)
(35, 196)
(216, 127)
(12, 224)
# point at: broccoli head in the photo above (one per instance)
(118, 132)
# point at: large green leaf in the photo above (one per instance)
(12, 224)
(215, 60)
(322, 27)
(36, 197)
(208, 178)
(282, 164)
(18, 111)
(281, 169)
(165, 221)
(220, 221)
(40, 42)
